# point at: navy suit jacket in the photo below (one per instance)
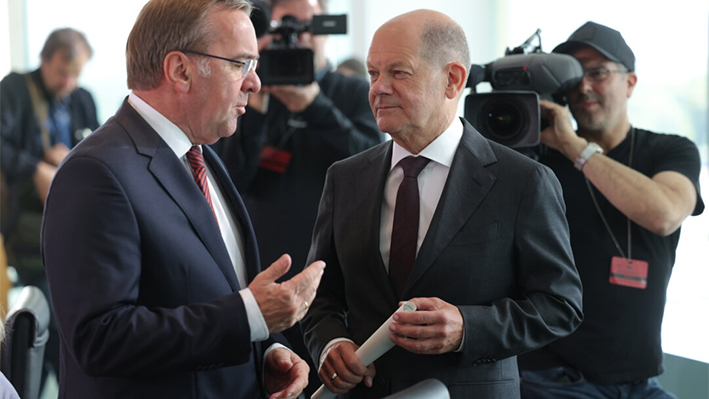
(145, 295)
(497, 248)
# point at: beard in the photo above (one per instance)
(588, 120)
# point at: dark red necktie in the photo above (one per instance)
(196, 160)
(404, 234)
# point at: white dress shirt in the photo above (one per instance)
(430, 181)
(231, 232)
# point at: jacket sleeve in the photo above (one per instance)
(549, 300)
(19, 155)
(341, 117)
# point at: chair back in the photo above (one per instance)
(26, 335)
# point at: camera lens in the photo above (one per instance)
(503, 119)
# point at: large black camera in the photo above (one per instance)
(509, 114)
(285, 63)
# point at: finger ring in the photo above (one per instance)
(332, 378)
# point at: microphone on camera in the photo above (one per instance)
(476, 75)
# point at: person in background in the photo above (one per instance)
(627, 192)
(158, 290)
(470, 231)
(43, 114)
(353, 67)
(286, 142)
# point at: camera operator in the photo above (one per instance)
(285, 143)
(627, 191)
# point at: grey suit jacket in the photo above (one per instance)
(497, 247)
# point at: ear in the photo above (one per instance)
(178, 71)
(457, 79)
(631, 79)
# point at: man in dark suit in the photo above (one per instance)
(155, 279)
(494, 275)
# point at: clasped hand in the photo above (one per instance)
(436, 327)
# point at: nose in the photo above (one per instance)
(252, 83)
(380, 86)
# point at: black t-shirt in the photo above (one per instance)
(619, 339)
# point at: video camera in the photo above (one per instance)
(509, 114)
(285, 63)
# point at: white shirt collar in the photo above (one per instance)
(175, 138)
(441, 150)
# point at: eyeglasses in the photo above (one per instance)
(600, 74)
(245, 66)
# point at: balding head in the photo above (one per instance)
(441, 39)
(418, 66)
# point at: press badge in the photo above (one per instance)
(628, 272)
(274, 159)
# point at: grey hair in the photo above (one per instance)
(442, 43)
(169, 25)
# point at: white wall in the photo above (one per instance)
(4, 39)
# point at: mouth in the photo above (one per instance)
(586, 102)
(384, 108)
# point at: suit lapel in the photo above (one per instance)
(373, 184)
(467, 185)
(236, 204)
(368, 185)
(179, 184)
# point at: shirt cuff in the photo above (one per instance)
(257, 324)
(462, 341)
(273, 346)
(329, 346)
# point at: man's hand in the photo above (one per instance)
(435, 327)
(56, 154)
(283, 304)
(285, 374)
(560, 134)
(295, 98)
(42, 178)
(342, 360)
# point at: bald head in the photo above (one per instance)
(441, 39)
(418, 66)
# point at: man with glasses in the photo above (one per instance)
(285, 143)
(627, 192)
(150, 254)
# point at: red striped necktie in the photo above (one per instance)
(196, 160)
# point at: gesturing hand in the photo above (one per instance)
(283, 304)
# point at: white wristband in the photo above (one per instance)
(591, 148)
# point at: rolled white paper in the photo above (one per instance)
(375, 346)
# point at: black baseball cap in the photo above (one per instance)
(607, 41)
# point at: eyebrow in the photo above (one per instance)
(247, 56)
